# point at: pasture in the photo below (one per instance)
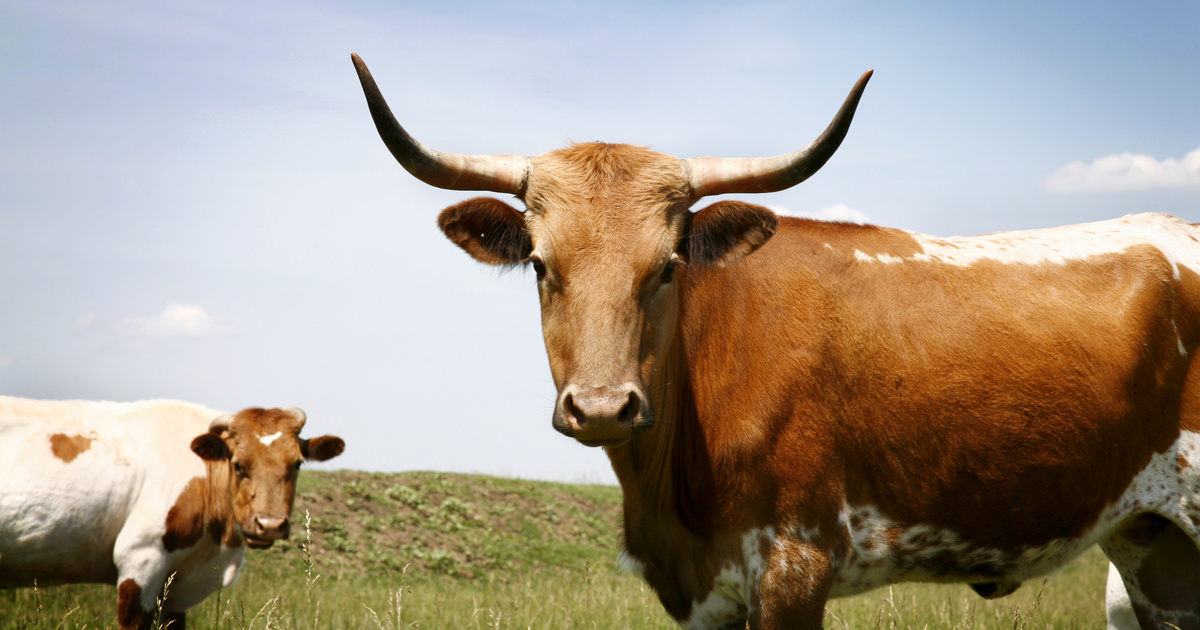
(433, 550)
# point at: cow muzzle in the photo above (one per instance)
(264, 530)
(602, 416)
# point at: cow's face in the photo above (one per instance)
(263, 451)
(608, 232)
(609, 237)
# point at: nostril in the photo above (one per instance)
(630, 410)
(266, 524)
(572, 410)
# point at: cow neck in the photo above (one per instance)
(218, 516)
(665, 474)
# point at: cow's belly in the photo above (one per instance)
(59, 521)
(882, 552)
(57, 536)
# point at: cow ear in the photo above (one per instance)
(319, 449)
(724, 233)
(490, 230)
(210, 447)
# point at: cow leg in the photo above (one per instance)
(174, 621)
(132, 613)
(142, 569)
(793, 588)
(1159, 567)
(1116, 603)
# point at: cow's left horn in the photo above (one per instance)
(716, 176)
(497, 173)
(298, 414)
(220, 424)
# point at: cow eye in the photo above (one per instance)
(240, 470)
(295, 467)
(539, 267)
(668, 272)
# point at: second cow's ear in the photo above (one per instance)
(490, 230)
(210, 447)
(724, 233)
(321, 448)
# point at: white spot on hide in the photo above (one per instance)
(629, 565)
(887, 259)
(729, 600)
(267, 440)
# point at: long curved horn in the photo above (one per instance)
(497, 173)
(715, 176)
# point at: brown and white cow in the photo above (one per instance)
(115, 493)
(798, 410)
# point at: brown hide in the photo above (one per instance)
(203, 506)
(939, 393)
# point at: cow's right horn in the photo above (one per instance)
(298, 414)
(497, 173)
(716, 176)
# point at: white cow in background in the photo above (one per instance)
(132, 493)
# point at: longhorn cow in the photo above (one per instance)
(798, 410)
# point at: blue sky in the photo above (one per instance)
(194, 203)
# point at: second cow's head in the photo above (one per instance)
(263, 450)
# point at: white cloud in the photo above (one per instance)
(1126, 171)
(176, 320)
(836, 212)
(85, 321)
(6, 362)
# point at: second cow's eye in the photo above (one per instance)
(668, 272)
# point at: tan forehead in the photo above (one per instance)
(595, 171)
(593, 195)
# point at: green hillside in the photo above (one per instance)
(442, 524)
(440, 550)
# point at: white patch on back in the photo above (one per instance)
(887, 259)
(267, 440)
(1170, 235)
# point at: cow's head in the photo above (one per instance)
(608, 231)
(263, 450)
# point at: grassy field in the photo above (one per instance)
(431, 550)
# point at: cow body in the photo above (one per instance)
(114, 493)
(798, 410)
(924, 416)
